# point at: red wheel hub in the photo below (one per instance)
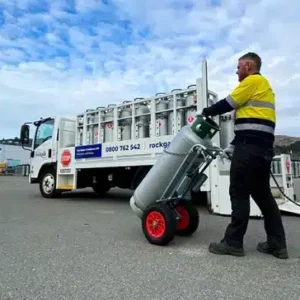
(155, 224)
(184, 218)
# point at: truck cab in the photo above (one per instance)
(49, 134)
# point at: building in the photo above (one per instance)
(14, 152)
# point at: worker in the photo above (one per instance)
(252, 152)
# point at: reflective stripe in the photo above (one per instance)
(250, 126)
(258, 103)
(255, 103)
(232, 103)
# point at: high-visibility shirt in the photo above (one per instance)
(254, 104)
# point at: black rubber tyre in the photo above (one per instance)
(101, 190)
(47, 184)
(209, 208)
(189, 221)
(198, 198)
(159, 224)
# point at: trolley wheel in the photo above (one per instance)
(189, 218)
(159, 224)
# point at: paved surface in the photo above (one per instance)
(80, 247)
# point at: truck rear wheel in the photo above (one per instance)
(101, 190)
(48, 184)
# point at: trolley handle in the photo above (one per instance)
(213, 152)
(201, 148)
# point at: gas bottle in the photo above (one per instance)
(142, 119)
(191, 103)
(161, 117)
(180, 120)
(226, 129)
(160, 175)
(99, 131)
(89, 132)
(109, 126)
(80, 130)
(125, 124)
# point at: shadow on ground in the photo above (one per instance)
(123, 196)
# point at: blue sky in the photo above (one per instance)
(62, 57)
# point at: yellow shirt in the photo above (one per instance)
(254, 102)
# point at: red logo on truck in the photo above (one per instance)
(190, 119)
(288, 166)
(65, 158)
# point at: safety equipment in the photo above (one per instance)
(254, 102)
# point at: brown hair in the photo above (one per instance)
(254, 57)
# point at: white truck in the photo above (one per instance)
(115, 146)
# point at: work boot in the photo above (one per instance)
(223, 248)
(279, 253)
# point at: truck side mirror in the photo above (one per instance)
(24, 135)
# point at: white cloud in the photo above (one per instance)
(88, 5)
(58, 62)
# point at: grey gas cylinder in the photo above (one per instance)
(126, 122)
(226, 129)
(109, 126)
(160, 175)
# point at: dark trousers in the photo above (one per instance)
(250, 175)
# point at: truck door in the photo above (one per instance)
(43, 143)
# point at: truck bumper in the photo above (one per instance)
(33, 180)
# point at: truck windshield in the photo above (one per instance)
(43, 132)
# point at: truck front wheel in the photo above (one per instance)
(48, 184)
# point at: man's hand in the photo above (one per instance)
(229, 151)
(204, 112)
(219, 108)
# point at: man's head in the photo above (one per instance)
(248, 64)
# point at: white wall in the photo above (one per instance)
(14, 152)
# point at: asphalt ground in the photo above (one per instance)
(81, 247)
